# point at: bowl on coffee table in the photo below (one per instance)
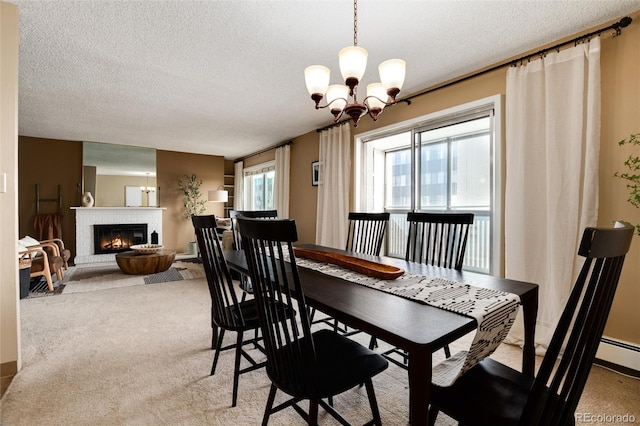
(147, 248)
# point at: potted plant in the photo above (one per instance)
(632, 176)
(192, 202)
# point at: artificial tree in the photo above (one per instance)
(192, 202)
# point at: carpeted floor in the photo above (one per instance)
(105, 276)
(140, 355)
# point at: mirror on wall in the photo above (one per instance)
(119, 175)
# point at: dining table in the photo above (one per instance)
(417, 328)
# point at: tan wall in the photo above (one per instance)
(259, 158)
(49, 163)
(620, 62)
(620, 65)
(302, 195)
(10, 359)
(171, 166)
(110, 189)
(66, 159)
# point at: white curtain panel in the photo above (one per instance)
(283, 161)
(238, 186)
(552, 146)
(333, 189)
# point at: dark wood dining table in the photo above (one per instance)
(418, 328)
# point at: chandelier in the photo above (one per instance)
(147, 188)
(353, 62)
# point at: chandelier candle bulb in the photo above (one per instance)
(376, 98)
(353, 63)
(337, 97)
(392, 74)
(317, 79)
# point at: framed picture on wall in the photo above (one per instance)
(316, 173)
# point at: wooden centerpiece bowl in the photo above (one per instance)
(363, 266)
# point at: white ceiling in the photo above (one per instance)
(226, 77)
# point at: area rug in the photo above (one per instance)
(39, 288)
(102, 277)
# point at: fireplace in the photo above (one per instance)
(118, 238)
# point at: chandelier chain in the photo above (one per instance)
(355, 22)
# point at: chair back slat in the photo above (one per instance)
(558, 385)
(366, 232)
(289, 345)
(224, 308)
(438, 239)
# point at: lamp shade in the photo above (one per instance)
(337, 96)
(317, 79)
(218, 195)
(353, 62)
(379, 94)
(392, 73)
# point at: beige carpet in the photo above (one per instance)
(139, 355)
(109, 275)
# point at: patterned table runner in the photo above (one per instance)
(494, 310)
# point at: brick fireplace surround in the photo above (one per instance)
(86, 217)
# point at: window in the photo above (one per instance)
(442, 162)
(259, 187)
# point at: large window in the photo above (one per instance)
(259, 187)
(444, 162)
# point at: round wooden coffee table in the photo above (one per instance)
(132, 263)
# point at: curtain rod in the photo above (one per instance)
(622, 23)
(262, 151)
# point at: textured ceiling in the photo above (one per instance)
(226, 77)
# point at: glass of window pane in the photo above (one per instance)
(398, 181)
(471, 172)
(433, 175)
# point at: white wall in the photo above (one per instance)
(9, 289)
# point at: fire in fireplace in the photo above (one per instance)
(118, 238)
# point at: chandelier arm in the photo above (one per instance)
(393, 102)
(318, 106)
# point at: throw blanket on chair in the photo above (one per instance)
(48, 226)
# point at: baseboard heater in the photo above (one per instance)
(623, 357)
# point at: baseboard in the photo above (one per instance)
(619, 355)
(8, 370)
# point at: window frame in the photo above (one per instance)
(262, 168)
(440, 119)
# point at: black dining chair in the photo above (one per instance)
(438, 239)
(365, 235)
(245, 283)
(227, 312)
(305, 365)
(366, 232)
(233, 214)
(493, 394)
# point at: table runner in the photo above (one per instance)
(494, 310)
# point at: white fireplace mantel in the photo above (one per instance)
(86, 217)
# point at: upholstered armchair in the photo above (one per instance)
(63, 252)
(45, 257)
(53, 246)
